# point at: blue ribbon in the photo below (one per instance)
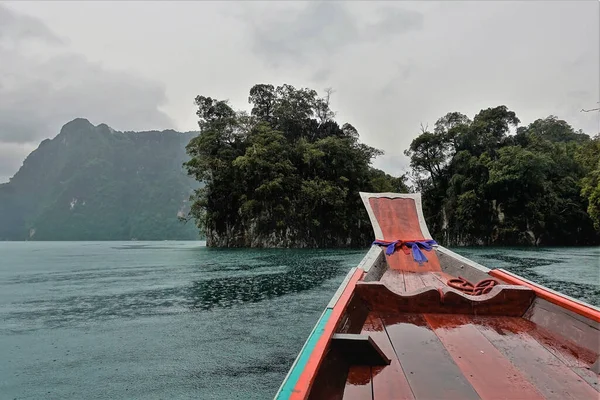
(415, 247)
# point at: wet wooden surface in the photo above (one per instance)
(502, 300)
(553, 378)
(568, 324)
(445, 356)
(389, 382)
(429, 368)
(489, 371)
(358, 383)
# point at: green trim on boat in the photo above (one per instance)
(290, 382)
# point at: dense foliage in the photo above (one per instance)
(482, 185)
(285, 175)
(93, 183)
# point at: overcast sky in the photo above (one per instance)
(393, 65)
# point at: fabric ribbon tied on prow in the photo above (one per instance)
(407, 247)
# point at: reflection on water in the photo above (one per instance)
(227, 292)
(231, 278)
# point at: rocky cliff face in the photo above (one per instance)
(250, 236)
(95, 183)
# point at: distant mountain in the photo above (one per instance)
(95, 183)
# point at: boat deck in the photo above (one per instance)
(398, 328)
(455, 356)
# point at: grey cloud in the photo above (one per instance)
(40, 91)
(402, 74)
(394, 21)
(321, 75)
(322, 29)
(17, 27)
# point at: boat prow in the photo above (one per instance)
(415, 320)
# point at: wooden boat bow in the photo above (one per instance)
(402, 326)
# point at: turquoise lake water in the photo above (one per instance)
(176, 320)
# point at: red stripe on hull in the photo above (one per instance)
(305, 381)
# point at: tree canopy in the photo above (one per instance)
(285, 175)
(482, 185)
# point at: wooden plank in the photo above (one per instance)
(567, 351)
(429, 279)
(592, 378)
(488, 371)
(406, 262)
(560, 322)
(371, 258)
(389, 382)
(397, 218)
(331, 377)
(481, 268)
(394, 279)
(552, 378)
(358, 383)
(413, 281)
(596, 366)
(359, 349)
(418, 205)
(429, 368)
(353, 317)
(309, 372)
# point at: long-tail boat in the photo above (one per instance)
(415, 320)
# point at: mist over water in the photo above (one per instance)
(155, 320)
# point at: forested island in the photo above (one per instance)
(288, 175)
(285, 175)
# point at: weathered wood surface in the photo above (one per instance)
(394, 279)
(442, 343)
(501, 300)
(397, 218)
(552, 377)
(565, 323)
(488, 371)
(480, 357)
(429, 368)
(389, 382)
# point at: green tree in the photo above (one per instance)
(589, 157)
(482, 185)
(287, 175)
